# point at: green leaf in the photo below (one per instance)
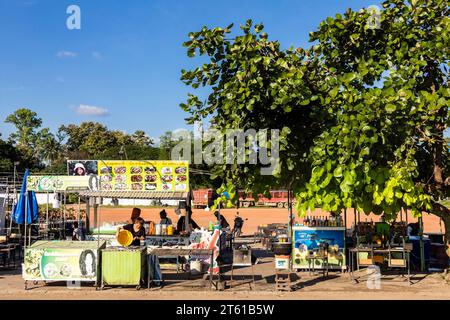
(390, 107)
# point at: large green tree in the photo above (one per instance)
(362, 111)
(36, 146)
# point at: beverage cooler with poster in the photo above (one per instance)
(309, 241)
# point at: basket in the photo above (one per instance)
(125, 238)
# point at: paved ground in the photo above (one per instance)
(336, 286)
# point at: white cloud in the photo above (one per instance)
(97, 55)
(86, 110)
(156, 141)
(66, 54)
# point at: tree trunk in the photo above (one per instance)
(444, 213)
(447, 234)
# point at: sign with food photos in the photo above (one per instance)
(146, 175)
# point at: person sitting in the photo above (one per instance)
(181, 224)
(221, 219)
(78, 233)
(137, 230)
(164, 218)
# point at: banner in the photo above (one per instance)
(148, 175)
(61, 183)
(68, 261)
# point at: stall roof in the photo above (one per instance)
(162, 195)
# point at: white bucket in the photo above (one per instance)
(196, 267)
(158, 229)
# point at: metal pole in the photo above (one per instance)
(406, 215)
(401, 215)
(97, 222)
(64, 215)
(88, 213)
(25, 235)
(345, 218)
(46, 216)
(79, 210)
(290, 227)
(422, 248)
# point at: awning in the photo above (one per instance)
(158, 195)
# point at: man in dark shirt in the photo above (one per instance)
(137, 230)
(181, 224)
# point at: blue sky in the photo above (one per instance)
(127, 57)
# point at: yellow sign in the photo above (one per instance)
(148, 175)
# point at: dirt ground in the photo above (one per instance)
(255, 216)
(308, 287)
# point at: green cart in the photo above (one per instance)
(123, 267)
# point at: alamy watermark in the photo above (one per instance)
(73, 22)
(374, 20)
(374, 277)
(235, 146)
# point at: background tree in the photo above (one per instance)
(24, 138)
(140, 138)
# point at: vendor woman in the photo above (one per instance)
(137, 230)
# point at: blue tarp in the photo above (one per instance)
(31, 206)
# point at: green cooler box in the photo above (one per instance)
(123, 266)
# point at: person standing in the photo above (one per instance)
(137, 230)
(238, 224)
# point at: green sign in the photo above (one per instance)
(61, 183)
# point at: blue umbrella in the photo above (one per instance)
(31, 207)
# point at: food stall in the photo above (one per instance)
(51, 261)
(139, 180)
(383, 244)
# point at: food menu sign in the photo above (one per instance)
(127, 175)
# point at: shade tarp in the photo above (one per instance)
(157, 195)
